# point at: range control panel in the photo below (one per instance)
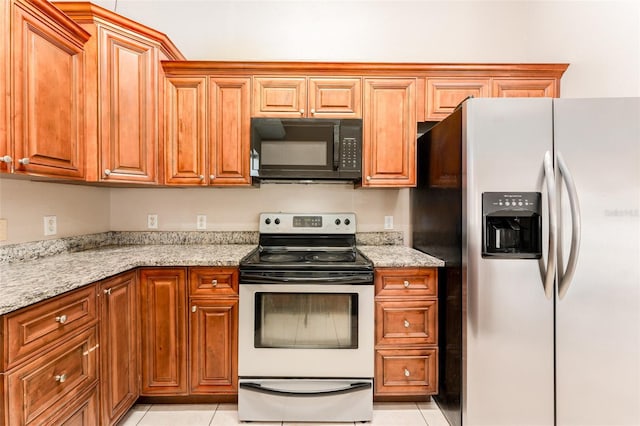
(307, 223)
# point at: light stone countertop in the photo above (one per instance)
(27, 282)
(399, 256)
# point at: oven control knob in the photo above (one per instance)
(267, 221)
(277, 221)
(337, 221)
(347, 222)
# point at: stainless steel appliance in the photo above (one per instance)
(306, 337)
(529, 338)
(306, 149)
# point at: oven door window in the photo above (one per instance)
(306, 320)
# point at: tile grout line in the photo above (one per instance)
(421, 414)
(145, 413)
(214, 415)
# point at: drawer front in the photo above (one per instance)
(84, 412)
(30, 329)
(40, 388)
(213, 281)
(406, 322)
(406, 372)
(406, 282)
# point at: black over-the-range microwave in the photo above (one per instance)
(306, 149)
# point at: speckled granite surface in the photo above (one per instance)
(24, 283)
(398, 256)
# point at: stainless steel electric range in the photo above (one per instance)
(306, 322)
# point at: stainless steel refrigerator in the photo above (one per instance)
(534, 204)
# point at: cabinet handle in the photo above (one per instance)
(406, 324)
(107, 172)
(194, 308)
(212, 177)
(6, 159)
(60, 378)
(61, 319)
(24, 161)
(107, 291)
(407, 373)
(201, 177)
(406, 284)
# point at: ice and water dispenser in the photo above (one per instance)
(511, 225)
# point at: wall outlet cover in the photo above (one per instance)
(201, 222)
(50, 225)
(388, 222)
(152, 221)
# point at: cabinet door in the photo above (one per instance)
(118, 346)
(444, 94)
(229, 131)
(164, 331)
(6, 148)
(128, 107)
(48, 96)
(185, 121)
(279, 96)
(335, 97)
(389, 134)
(525, 88)
(214, 346)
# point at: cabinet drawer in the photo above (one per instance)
(38, 389)
(406, 372)
(213, 281)
(406, 282)
(83, 412)
(30, 329)
(406, 322)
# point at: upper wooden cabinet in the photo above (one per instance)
(41, 84)
(389, 132)
(524, 88)
(207, 130)
(314, 97)
(123, 111)
(444, 94)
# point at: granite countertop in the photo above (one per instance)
(26, 282)
(399, 256)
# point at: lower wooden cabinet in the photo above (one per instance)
(406, 331)
(83, 412)
(189, 355)
(119, 381)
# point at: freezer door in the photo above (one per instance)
(508, 322)
(598, 319)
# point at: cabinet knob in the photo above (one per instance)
(60, 378)
(212, 177)
(6, 159)
(194, 308)
(368, 178)
(24, 161)
(61, 319)
(407, 373)
(107, 291)
(313, 111)
(107, 172)
(406, 324)
(201, 177)
(214, 283)
(302, 112)
(406, 284)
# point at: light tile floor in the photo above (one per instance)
(384, 414)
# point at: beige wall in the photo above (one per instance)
(79, 209)
(600, 39)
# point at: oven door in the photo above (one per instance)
(306, 330)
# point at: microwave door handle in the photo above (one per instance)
(336, 147)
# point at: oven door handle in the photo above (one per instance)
(345, 279)
(352, 387)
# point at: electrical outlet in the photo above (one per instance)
(201, 222)
(152, 221)
(50, 225)
(388, 222)
(3, 229)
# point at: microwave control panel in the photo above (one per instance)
(350, 146)
(349, 157)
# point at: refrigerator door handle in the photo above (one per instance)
(553, 226)
(566, 277)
